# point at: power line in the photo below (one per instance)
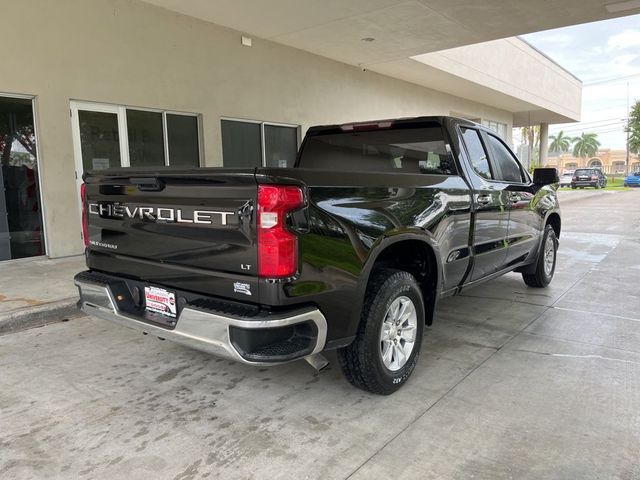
(612, 79)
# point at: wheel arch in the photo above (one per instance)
(403, 247)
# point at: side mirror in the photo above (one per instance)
(545, 176)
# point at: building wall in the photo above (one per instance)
(611, 161)
(131, 53)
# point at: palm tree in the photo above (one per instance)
(586, 145)
(560, 143)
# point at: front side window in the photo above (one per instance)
(507, 167)
(401, 150)
(477, 154)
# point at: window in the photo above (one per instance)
(247, 144)
(476, 152)
(146, 145)
(112, 136)
(499, 128)
(507, 167)
(406, 150)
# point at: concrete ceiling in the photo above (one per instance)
(400, 29)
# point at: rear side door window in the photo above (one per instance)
(476, 152)
(507, 166)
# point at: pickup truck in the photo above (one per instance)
(349, 250)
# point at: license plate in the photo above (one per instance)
(159, 300)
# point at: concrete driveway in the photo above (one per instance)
(513, 383)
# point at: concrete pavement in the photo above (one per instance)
(34, 292)
(512, 383)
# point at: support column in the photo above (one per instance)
(544, 143)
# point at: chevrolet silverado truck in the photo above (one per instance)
(349, 250)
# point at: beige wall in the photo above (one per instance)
(128, 52)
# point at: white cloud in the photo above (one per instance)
(626, 39)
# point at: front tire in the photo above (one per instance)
(546, 261)
(387, 345)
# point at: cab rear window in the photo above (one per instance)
(402, 150)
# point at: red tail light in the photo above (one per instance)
(85, 226)
(277, 246)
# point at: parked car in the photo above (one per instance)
(350, 250)
(632, 180)
(565, 179)
(588, 177)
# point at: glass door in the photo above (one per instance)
(21, 225)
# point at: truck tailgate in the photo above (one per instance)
(177, 229)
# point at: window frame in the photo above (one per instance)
(123, 132)
(495, 166)
(262, 124)
(484, 147)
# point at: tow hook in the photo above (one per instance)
(317, 361)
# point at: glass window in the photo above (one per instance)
(21, 231)
(182, 133)
(407, 150)
(476, 152)
(99, 140)
(146, 142)
(280, 145)
(506, 164)
(241, 144)
(499, 128)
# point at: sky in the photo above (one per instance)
(605, 56)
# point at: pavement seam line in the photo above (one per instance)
(472, 371)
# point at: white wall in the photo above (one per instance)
(128, 52)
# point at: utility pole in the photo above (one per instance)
(628, 117)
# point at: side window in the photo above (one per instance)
(477, 154)
(507, 166)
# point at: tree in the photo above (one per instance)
(560, 143)
(586, 145)
(633, 128)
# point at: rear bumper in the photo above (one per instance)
(263, 339)
(585, 183)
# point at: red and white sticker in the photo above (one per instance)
(159, 300)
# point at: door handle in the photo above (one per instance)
(484, 199)
(515, 197)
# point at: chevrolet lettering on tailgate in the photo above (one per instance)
(163, 214)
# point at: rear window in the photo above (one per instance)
(408, 150)
(583, 171)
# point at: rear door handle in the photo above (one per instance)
(515, 197)
(484, 199)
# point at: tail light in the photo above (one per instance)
(277, 246)
(85, 226)
(574, 178)
(594, 177)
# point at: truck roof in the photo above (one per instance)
(390, 122)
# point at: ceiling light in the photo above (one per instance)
(622, 6)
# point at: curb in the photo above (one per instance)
(38, 316)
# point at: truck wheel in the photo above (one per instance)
(546, 262)
(387, 344)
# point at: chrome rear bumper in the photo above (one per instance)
(199, 329)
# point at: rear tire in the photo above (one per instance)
(546, 261)
(381, 358)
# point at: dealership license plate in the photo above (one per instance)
(159, 300)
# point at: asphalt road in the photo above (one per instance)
(512, 383)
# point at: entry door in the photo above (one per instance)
(99, 137)
(21, 225)
(492, 213)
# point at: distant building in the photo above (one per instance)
(609, 161)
